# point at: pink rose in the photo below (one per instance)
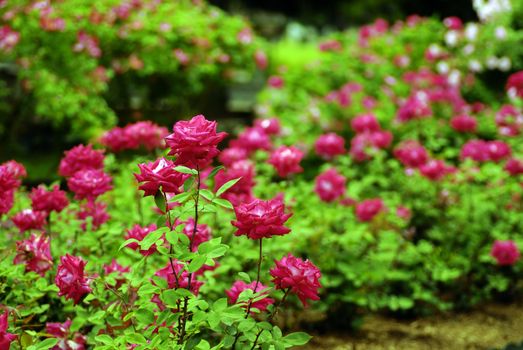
(329, 145)
(330, 185)
(368, 209)
(514, 85)
(241, 192)
(271, 126)
(302, 277)
(80, 158)
(506, 253)
(464, 123)
(66, 340)
(435, 169)
(365, 123)
(70, 278)
(48, 200)
(29, 219)
(89, 184)
(252, 139)
(5, 338)
(411, 154)
(514, 166)
(194, 142)
(35, 253)
(160, 175)
(261, 219)
(286, 160)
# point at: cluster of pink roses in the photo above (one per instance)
(194, 144)
(144, 134)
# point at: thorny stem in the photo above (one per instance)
(271, 317)
(189, 278)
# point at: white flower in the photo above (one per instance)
(451, 38)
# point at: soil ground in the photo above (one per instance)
(491, 326)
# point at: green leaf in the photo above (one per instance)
(104, 338)
(223, 203)
(207, 194)
(298, 338)
(196, 263)
(245, 277)
(182, 197)
(152, 237)
(159, 199)
(188, 184)
(185, 170)
(215, 171)
(226, 186)
(127, 242)
(46, 344)
(144, 316)
(135, 338)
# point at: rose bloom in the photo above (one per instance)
(368, 209)
(514, 166)
(498, 150)
(286, 160)
(117, 139)
(302, 277)
(80, 158)
(476, 150)
(35, 253)
(403, 212)
(411, 154)
(8, 179)
(260, 58)
(194, 142)
(6, 201)
(464, 123)
(365, 123)
(48, 200)
(271, 126)
(160, 175)
(261, 219)
(15, 168)
(89, 184)
(231, 155)
(252, 139)
(97, 211)
(239, 286)
(29, 219)
(515, 85)
(139, 233)
(330, 185)
(275, 82)
(5, 338)
(61, 331)
(506, 253)
(71, 279)
(453, 23)
(202, 234)
(329, 145)
(435, 169)
(509, 121)
(365, 144)
(146, 134)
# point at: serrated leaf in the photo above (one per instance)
(152, 237)
(206, 194)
